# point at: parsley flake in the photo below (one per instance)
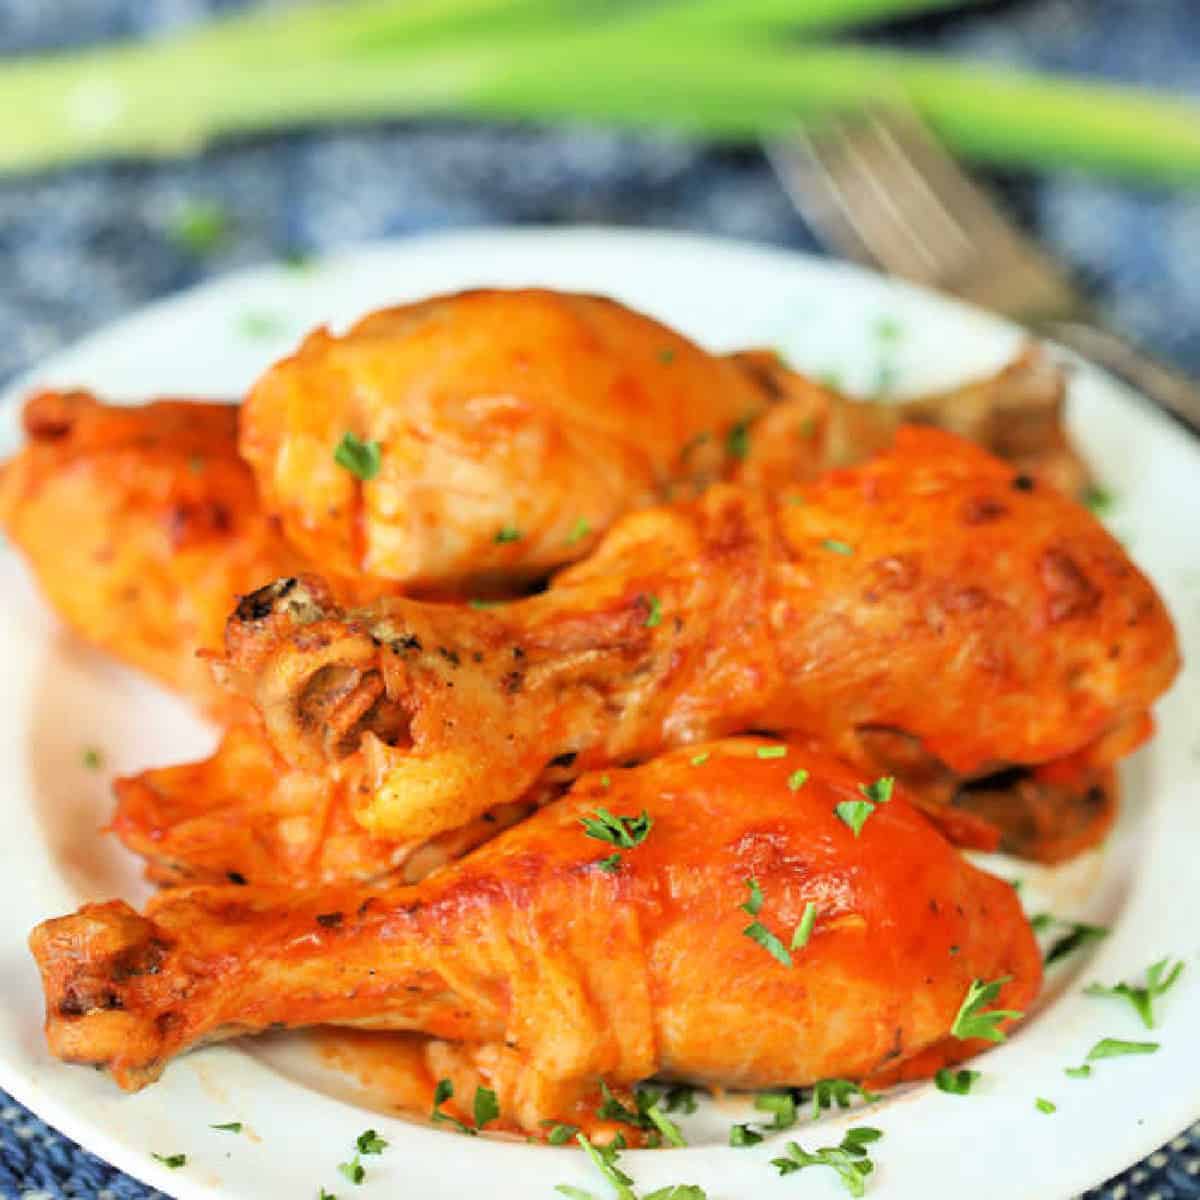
(753, 906)
(654, 612)
(507, 533)
(879, 792)
(680, 1097)
(666, 355)
(849, 1159)
(443, 1092)
(972, 1021)
(353, 1170)
(1046, 1106)
(1081, 934)
(955, 1083)
(804, 929)
(771, 752)
(744, 1135)
(559, 1133)
(670, 1131)
(678, 1191)
(1099, 499)
(1040, 922)
(782, 1106)
(361, 459)
(854, 813)
(828, 1092)
(326, 1195)
(604, 1158)
(93, 759)
(487, 1107)
(623, 832)
(610, 865)
(228, 1127)
(1158, 981)
(579, 531)
(737, 440)
(1078, 1072)
(698, 760)
(1115, 1048)
(797, 779)
(369, 1142)
(171, 1161)
(836, 547)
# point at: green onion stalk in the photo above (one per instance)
(722, 69)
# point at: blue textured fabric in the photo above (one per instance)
(82, 246)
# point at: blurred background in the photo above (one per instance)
(225, 133)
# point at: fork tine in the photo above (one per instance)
(876, 185)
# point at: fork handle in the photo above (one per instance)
(1168, 388)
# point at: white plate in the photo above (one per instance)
(994, 1145)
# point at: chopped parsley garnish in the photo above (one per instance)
(361, 459)
(228, 1127)
(1115, 1048)
(93, 759)
(1080, 935)
(678, 1191)
(854, 813)
(369, 1142)
(698, 760)
(326, 1195)
(171, 1161)
(828, 1092)
(782, 1106)
(804, 929)
(680, 1097)
(258, 324)
(849, 1159)
(753, 906)
(797, 779)
(1159, 980)
(487, 1108)
(579, 531)
(1040, 922)
(956, 1083)
(1099, 499)
(604, 1158)
(353, 1170)
(443, 1092)
(605, 781)
(669, 1130)
(744, 1135)
(623, 832)
(200, 227)
(973, 1021)
(879, 792)
(1078, 1072)
(771, 752)
(1046, 1106)
(653, 611)
(611, 864)
(836, 547)
(558, 1133)
(666, 355)
(737, 440)
(507, 533)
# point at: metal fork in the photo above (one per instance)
(877, 187)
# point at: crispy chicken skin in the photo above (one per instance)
(929, 611)
(556, 972)
(244, 816)
(142, 526)
(505, 419)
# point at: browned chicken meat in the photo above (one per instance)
(929, 614)
(636, 982)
